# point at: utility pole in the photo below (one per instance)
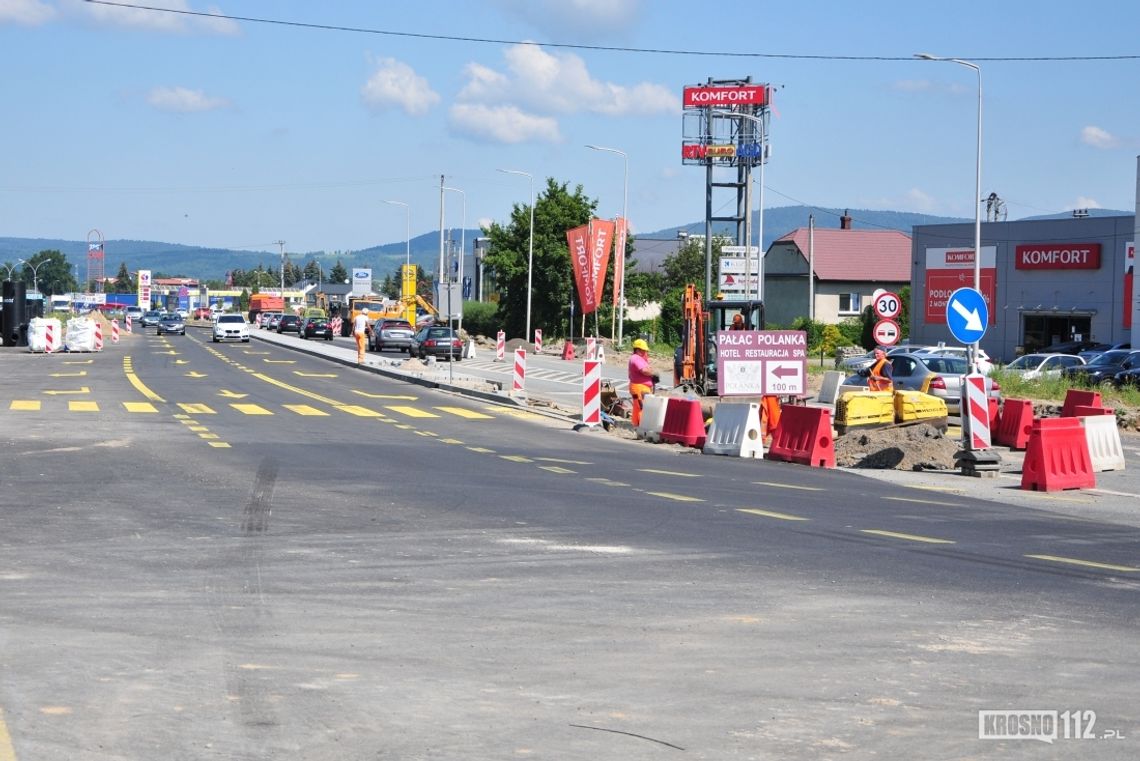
(281, 243)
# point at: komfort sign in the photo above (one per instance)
(717, 97)
(757, 362)
(1058, 256)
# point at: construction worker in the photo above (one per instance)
(642, 379)
(737, 322)
(360, 332)
(879, 373)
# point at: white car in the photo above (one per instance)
(985, 364)
(1033, 366)
(230, 327)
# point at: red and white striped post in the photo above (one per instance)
(127, 323)
(500, 346)
(98, 336)
(976, 413)
(591, 347)
(114, 331)
(49, 338)
(520, 371)
(592, 392)
(538, 340)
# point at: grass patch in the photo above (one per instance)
(1054, 390)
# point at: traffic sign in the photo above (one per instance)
(967, 315)
(887, 305)
(886, 332)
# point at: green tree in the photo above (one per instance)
(687, 265)
(49, 271)
(556, 210)
(124, 283)
(338, 274)
(313, 271)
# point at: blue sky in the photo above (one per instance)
(236, 134)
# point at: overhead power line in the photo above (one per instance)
(601, 48)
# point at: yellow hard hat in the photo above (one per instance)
(640, 344)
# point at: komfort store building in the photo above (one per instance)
(1045, 281)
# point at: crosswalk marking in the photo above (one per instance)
(411, 411)
(461, 412)
(197, 428)
(219, 444)
(352, 409)
(515, 458)
(304, 409)
(139, 407)
(83, 406)
(251, 409)
(25, 405)
(197, 409)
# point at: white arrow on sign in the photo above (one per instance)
(973, 319)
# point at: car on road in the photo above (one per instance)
(315, 327)
(1075, 347)
(985, 364)
(203, 313)
(265, 319)
(1129, 373)
(1032, 366)
(150, 319)
(288, 323)
(934, 374)
(392, 334)
(172, 322)
(274, 319)
(230, 327)
(436, 341)
(135, 313)
(1100, 370)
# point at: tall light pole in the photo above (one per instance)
(977, 181)
(530, 251)
(625, 220)
(282, 244)
(758, 121)
(462, 251)
(35, 273)
(408, 238)
(11, 267)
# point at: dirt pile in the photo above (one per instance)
(915, 447)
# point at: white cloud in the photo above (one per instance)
(1099, 138)
(27, 12)
(502, 124)
(394, 83)
(913, 85)
(1085, 203)
(561, 83)
(484, 223)
(180, 21)
(563, 19)
(183, 100)
(919, 201)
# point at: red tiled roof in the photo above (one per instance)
(874, 255)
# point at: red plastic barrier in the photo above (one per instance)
(568, 350)
(1057, 457)
(683, 423)
(804, 437)
(995, 414)
(1082, 410)
(1074, 397)
(1016, 420)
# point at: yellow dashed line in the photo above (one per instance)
(83, 406)
(465, 413)
(207, 435)
(352, 409)
(139, 407)
(564, 462)
(515, 458)
(7, 752)
(450, 441)
(607, 482)
(787, 486)
(197, 409)
(556, 469)
(908, 537)
(427, 433)
(923, 501)
(1086, 563)
(197, 428)
(770, 514)
(219, 444)
(482, 450)
(411, 411)
(251, 409)
(25, 405)
(404, 427)
(304, 409)
(180, 416)
(669, 473)
(676, 497)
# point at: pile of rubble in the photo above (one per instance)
(912, 447)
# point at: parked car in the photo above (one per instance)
(265, 319)
(436, 341)
(172, 323)
(985, 364)
(1101, 370)
(392, 334)
(150, 319)
(135, 313)
(862, 361)
(1129, 372)
(934, 374)
(315, 327)
(274, 320)
(1031, 366)
(202, 313)
(1075, 347)
(288, 323)
(230, 327)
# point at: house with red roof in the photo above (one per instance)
(847, 266)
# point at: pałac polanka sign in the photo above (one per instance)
(758, 362)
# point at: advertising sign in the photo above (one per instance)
(580, 264)
(719, 97)
(601, 238)
(361, 281)
(947, 270)
(1058, 256)
(1129, 264)
(144, 289)
(757, 362)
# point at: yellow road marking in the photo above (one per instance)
(79, 374)
(427, 433)
(770, 514)
(231, 394)
(280, 361)
(296, 390)
(25, 405)
(564, 462)
(171, 353)
(352, 409)
(411, 411)
(139, 407)
(1086, 563)
(404, 426)
(482, 450)
(80, 390)
(515, 458)
(787, 486)
(669, 473)
(251, 409)
(450, 441)
(181, 417)
(219, 444)
(908, 537)
(195, 374)
(197, 428)
(677, 497)
(923, 501)
(606, 482)
(197, 409)
(7, 752)
(255, 353)
(461, 412)
(304, 409)
(520, 414)
(138, 384)
(83, 406)
(314, 375)
(78, 361)
(207, 435)
(556, 469)
(386, 396)
(181, 361)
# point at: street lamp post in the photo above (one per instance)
(530, 250)
(281, 243)
(625, 220)
(462, 251)
(35, 274)
(977, 182)
(11, 267)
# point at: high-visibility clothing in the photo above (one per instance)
(880, 378)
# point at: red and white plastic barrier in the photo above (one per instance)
(976, 416)
(520, 370)
(98, 336)
(592, 392)
(500, 346)
(51, 339)
(538, 341)
(114, 331)
(591, 348)
(127, 323)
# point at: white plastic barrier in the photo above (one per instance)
(829, 392)
(652, 417)
(80, 334)
(735, 431)
(1103, 437)
(44, 335)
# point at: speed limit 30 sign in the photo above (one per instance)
(887, 305)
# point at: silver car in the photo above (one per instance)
(934, 374)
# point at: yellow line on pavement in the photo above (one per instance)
(353, 409)
(219, 444)
(770, 514)
(515, 458)
(676, 497)
(251, 409)
(481, 450)
(564, 462)
(197, 409)
(83, 406)
(607, 482)
(787, 486)
(138, 384)
(139, 407)
(7, 752)
(197, 428)
(25, 405)
(411, 411)
(923, 501)
(556, 469)
(461, 412)
(450, 441)
(908, 537)
(1086, 563)
(296, 390)
(669, 473)
(304, 409)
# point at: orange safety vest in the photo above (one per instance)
(877, 381)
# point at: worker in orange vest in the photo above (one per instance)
(642, 379)
(879, 373)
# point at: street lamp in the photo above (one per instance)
(11, 267)
(977, 180)
(282, 244)
(530, 253)
(408, 210)
(625, 221)
(760, 227)
(35, 273)
(462, 251)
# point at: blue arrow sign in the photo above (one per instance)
(967, 315)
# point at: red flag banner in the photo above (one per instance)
(601, 238)
(619, 257)
(576, 240)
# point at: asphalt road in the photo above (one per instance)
(241, 552)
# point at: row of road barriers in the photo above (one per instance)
(82, 334)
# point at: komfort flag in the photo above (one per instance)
(619, 257)
(601, 239)
(577, 240)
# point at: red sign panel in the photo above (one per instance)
(1058, 256)
(941, 283)
(576, 240)
(719, 97)
(886, 332)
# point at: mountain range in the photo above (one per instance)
(175, 259)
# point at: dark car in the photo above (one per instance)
(289, 323)
(171, 323)
(1129, 371)
(150, 319)
(1075, 347)
(315, 327)
(1101, 369)
(392, 334)
(437, 342)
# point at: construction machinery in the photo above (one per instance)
(694, 361)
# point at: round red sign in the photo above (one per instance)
(886, 332)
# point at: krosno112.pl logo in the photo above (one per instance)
(1044, 726)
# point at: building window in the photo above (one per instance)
(849, 303)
